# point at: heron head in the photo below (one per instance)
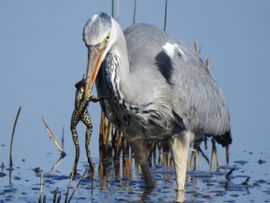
(97, 38)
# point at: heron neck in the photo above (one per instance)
(118, 72)
(120, 50)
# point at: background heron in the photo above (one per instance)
(157, 88)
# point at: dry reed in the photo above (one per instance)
(53, 138)
(12, 138)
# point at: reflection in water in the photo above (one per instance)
(57, 163)
(10, 175)
(180, 196)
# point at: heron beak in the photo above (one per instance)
(93, 65)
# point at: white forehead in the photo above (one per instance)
(96, 28)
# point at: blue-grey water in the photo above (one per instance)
(42, 55)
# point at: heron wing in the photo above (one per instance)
(197, 98)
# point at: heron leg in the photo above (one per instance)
(180, 148)
(74, 122)
(196, 160)
(193, 161)
(139, 147)
(214, 155)
(87, 121)
(227, 154)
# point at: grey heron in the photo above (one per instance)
(156, 88)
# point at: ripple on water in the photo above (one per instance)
(2, 174)
(200, 174)
(203, 186)
(9, 189)
(241, 162)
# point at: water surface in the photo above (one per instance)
(42, 56)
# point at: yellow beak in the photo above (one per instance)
(93, 65)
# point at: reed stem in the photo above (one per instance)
(12, 138)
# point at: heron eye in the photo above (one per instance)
(107, 38)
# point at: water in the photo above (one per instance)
(42, 56)
(125, 184)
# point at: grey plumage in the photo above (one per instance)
(157, 88)
(196, 96)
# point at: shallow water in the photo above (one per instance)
(125, 184)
